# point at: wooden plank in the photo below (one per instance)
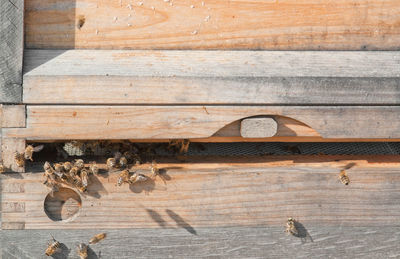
(258, 128)
(232, 242)
(211, 77)
(289, 24)
(217, 194)
(11, 50)
(8, 147)
(12, 116)
(56, 122)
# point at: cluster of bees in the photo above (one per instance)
(72, 174)
(54, 246)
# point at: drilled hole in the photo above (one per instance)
(62, 205)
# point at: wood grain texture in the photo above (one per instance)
(211, 77)
(8, 147)
(11, 50)
(232, 242)
(282, 25)
(12, 116)
(258, 128)
(223, 194)
(54, 122)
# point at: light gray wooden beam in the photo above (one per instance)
(211, 77)
(229, 242)
(11, 50)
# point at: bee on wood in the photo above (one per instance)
(52, 185)
(82, 251)
(123, 162)
(135, 178)
(154, 169)
(97, 238)
(344, 178)
(291, 227)
(48, 169)
(74, 171)
(2, 168)
(94, 169)
(123, 177)
(78, 184)
(19, 159)
(111, 163)
(84, 177)
(67, 166)
(81, 21)
(52, 247)
(28, 153)
(59, 169)
(79, 163)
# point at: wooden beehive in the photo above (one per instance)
(208, 71)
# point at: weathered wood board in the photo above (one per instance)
(211, 77)
(11, 50)
(218, 242)
(55, 122)
(246, 24)
(243, 192)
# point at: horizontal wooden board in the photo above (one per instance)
(230, 193)
(211, 77)
(54, 122)
(12, 116)
(228, 242)
(246, 24)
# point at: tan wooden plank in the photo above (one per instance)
(166, 122)
(227, 194)
(8, 148)
(258, 128)
(289, 24)
(211, 77)
(12, 116)
(227, 242)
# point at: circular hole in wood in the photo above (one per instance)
(63, 205)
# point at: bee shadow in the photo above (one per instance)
(181, 222)
(14, 175)
(157, 218)
(91, 254)
(302, 233)
(147, 186)
(95, 187)
(62, 252)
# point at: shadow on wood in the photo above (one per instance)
(62, 252)
(157, 218)
(181, 222)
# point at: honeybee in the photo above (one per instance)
(79, 163)
(111, 163)
(52, 185)
(94, 169)
(48, 169)
(344, 178)
(182, 145)
(291, 227)
(154, 169)
(2, 168)
(78, 184)
(117, 155)
(29, 151)
(123, 162)
(59, 169)
(84, 177)
(19, 159)
(52, 247)
(81, 21)
(67, 166)
(137, 178)
(74, 171)
(129, 156)
(97, 238)
(123, 177)
(82, 251)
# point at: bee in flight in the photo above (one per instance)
(28, 153)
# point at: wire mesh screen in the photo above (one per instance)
(256, 149)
